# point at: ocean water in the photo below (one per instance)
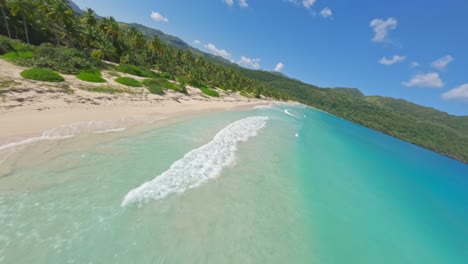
(279, 184)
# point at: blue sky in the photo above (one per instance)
(411, 49)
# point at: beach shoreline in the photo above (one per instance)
(30, 108)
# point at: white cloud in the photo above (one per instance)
(198, 42)
(158, 17)
(243, 3)
(305, 3)
(326, 12)
(248, 62)
(279, 67)
(415, 64)
(308, 3)
(393, 60)
(443, 62)
(459, 93)
(382, 27)
(218, 52)
(429, 80)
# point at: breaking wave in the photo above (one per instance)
(199, 165)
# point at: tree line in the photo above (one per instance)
(53, 21)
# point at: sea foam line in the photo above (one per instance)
(288, 112)
(199, 165)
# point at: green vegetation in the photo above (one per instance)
(91, 76)
(136, 70)
(209, 92)
(158, 85)
(106, 89)
(83, 40)
(15, 51)
(154, 86)
(39, 74)
(129, 82)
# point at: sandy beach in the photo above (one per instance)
(28, 108)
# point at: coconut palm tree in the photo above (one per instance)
(63, 16)
(21, 8)
(89, 18)
(2, 6)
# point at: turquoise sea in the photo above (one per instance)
(279, 184)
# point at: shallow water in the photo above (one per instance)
(287, 184)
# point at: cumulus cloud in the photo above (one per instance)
(243, 3)
(442, 63)
(429, 80)
(229, 2)
(198, 42)
(382, 27)
(308, 3)
(279, 67)
(218, 52)
(158, 17)
(459, 93)
(248, 62)
(326, 12)
(391, 61)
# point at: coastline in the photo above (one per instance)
(29, 108)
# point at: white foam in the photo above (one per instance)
(263, 107)
(288, 112)
(120, 129)
(32, 140)
(297, 134)
(199, 165)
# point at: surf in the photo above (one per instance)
(199, 165)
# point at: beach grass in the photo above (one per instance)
(91, 76)
(136, 70)
(40, 74)
(127, 81)
(209, 92)
(107, 89)
(154, 86)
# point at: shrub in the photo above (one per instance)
(129, 82)
(136, 70)
(209, 92)
(61, 59)
(16, 56)
(5, 45)
(39, 74)
(90, 76)
(15, 50)
(154, 86)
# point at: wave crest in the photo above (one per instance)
(199, 165)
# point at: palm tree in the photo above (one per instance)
(155, 49)
(89, 18)
(105, 50)
(21, 8)
(136, 41)
(63, 16)
(2, 4)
